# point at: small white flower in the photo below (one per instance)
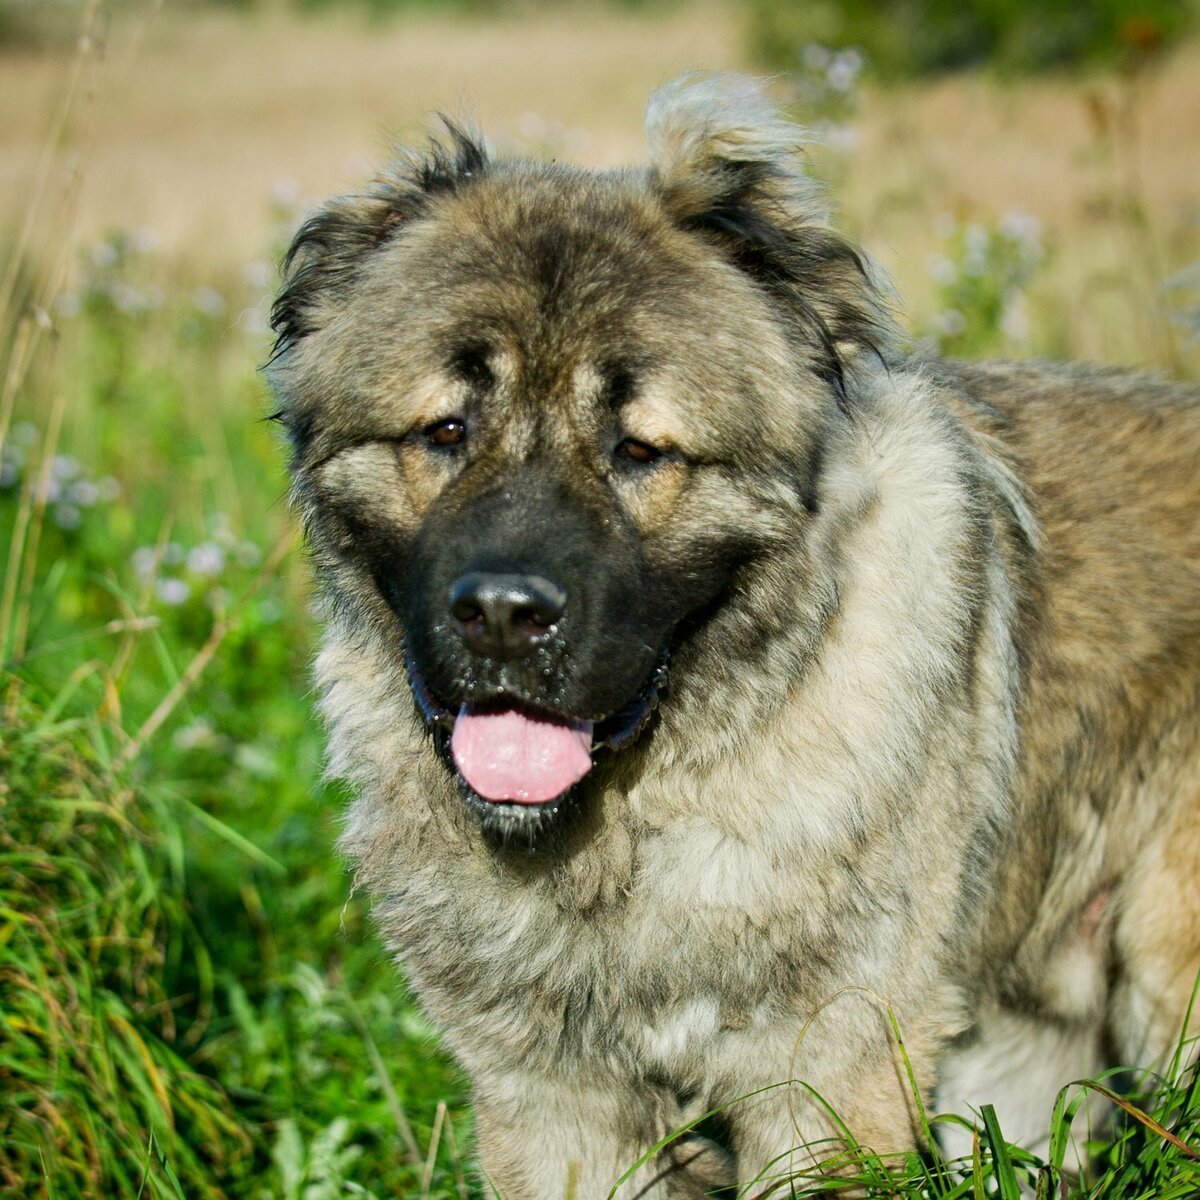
(944, 225)
(254, 322)
(209, 301)
(63, 467)
(104, 255)
(143, 240)
(107, 489)
(126, 298)
(173, 553)
(84, 492)
(67, 516)
(257, 274)
(974, 264)
(219, 529)
(206, 559)
(144, 560)
(173, 591)
(199, 732)
(976, 238)
(842, 72)
(1014, 317)
(286, 192)
(843, 138)
(532, 127)
(1021, 227)
(942, 269)
(949, 322)
(815, 57)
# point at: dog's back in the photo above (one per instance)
(1097, 924)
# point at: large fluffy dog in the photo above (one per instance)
(716, 679)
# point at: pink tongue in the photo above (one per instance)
(507, 755)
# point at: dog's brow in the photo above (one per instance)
(619, 382)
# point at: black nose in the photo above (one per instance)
(504, 616)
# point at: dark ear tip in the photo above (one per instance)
(329, 246)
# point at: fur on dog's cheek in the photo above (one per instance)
(651, 494)
(369, 477)
(425, 475)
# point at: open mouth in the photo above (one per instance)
(516, 760)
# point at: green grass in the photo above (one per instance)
(920, 37)
(191, 1001)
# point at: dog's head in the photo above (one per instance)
(543, 419)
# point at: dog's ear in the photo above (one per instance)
(331, 245)
(729, 165)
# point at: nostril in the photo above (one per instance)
(543, 611)
(504, 615)
(464, 609)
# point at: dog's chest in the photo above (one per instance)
(654, 980)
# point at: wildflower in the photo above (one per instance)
(126, 298)
(206, 559)
(944, 225)
(815, 57)
(286, 192)
(197, 733)
(942, 269)
(209, 301)
(257, 274)
(173, 591)
(84, 493)
(1014, 318)
(143, 240)
(254, 322)
(949, 323)
(144, 560)
(68, 304)
(63, 467)
(842, 72)
(104, 255)
(67, 516)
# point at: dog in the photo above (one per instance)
(725, 688)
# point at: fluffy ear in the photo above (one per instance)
(729, 165)
(330, 246)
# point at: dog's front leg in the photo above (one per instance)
(802, 1111)
(557, 1139)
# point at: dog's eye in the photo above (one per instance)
(445, 434)
(642, 453)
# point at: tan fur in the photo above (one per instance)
(933, 757)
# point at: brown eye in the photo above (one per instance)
(452, 432)
(637, 452)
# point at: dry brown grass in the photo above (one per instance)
(193, 130)
(1078, 155)
(196, 120)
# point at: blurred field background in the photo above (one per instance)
(192, 1002)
